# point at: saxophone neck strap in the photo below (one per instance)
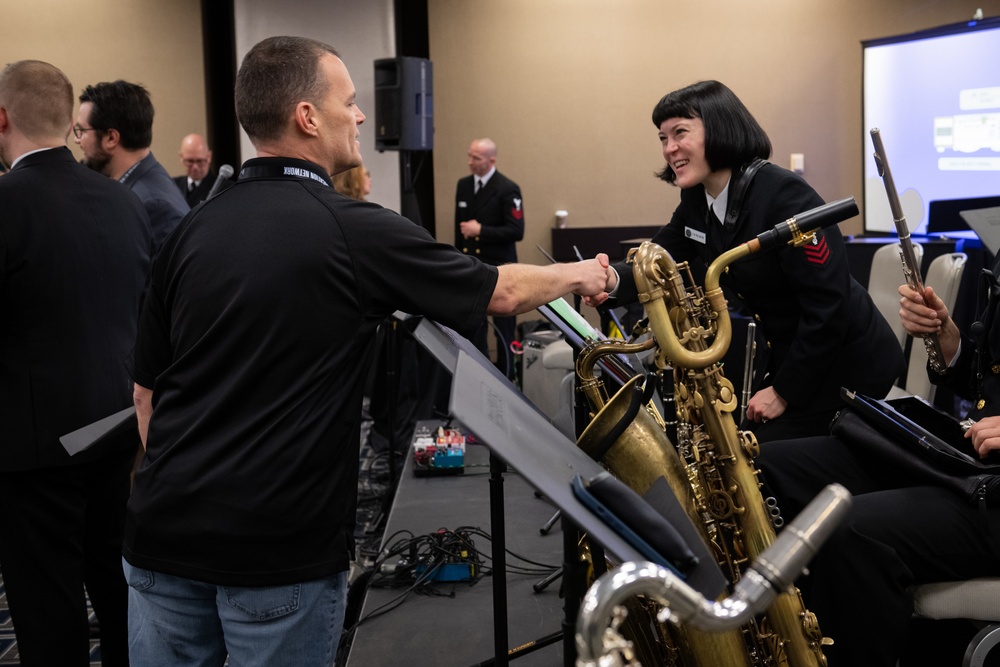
(738, 189)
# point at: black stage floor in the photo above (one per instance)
(445, 629)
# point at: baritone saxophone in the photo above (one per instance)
(710, 470)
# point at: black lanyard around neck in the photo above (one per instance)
(282, 171)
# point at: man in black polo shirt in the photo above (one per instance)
(254, 344)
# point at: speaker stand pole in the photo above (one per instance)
(409, 207)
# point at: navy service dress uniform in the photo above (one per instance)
(822, 330)
(499, 208)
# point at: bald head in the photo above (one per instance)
(195, 156)
(482, 156)
(487, 146)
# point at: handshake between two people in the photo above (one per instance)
(595, 300)
(523, 287)
(597, 277)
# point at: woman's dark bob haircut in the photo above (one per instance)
(732, 136)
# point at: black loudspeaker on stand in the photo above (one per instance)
(404, 121)
(404, 104)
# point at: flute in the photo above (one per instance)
(911, 270)
(748, 368)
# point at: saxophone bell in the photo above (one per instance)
(771, 574)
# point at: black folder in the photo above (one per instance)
(919, 426)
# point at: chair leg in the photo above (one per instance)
(981, 645)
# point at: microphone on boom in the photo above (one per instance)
(225, 173)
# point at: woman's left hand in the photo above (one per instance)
(765, 405)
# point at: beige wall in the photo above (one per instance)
(155, 43)
(566, 88)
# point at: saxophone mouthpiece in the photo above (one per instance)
(807, 222)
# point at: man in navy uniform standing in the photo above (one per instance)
(489, 220)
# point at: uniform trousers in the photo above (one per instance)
(896, 535)
(62, 530)
(794, 423)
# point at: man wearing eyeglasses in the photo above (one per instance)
(114, 129)
(199, 179)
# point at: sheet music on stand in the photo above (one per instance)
(579, 332)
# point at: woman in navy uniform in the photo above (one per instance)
(821, 328)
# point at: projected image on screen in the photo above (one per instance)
(935, 97)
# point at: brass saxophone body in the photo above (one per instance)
(710, 469)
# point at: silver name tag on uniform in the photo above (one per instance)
(694, 235)
(462, 204)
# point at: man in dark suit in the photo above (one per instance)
(74, 253)
(200, 177)
(489, 220)
(114, 128)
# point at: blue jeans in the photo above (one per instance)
(177, 622)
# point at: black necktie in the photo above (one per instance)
(713, 219)
(479, 186)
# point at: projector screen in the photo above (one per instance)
(935, 97)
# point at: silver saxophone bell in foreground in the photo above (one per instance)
(599, 645)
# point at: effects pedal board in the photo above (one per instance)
(437, 450)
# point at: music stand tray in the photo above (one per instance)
(91, 434)
(986, 223)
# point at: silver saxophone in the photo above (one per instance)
(599, 644)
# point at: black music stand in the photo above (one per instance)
(618, 370)
(525, 427)
(518, 434)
